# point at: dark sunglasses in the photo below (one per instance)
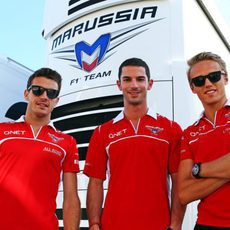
(39, 90)
(212, 77)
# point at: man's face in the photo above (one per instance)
(134, 84)
(41, 106)
(211, 93)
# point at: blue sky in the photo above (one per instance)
(224, 6)
(21, 23)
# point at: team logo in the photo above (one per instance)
(227, 115)
(54, 138)
(87, 57)
(153, 129)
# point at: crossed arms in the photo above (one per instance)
(214, 174)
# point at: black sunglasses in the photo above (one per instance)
(212, 77)
(39, 90)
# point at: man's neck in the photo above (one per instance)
(210, 110)
(134, 113)
(36, 122)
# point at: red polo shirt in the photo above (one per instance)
(203, 142)
(30, 171)
(138, 161)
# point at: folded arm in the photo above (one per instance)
(190, 188)
(219, 168)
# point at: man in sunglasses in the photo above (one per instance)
(204, 171)
(33, 157)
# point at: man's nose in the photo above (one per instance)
(134, 83)
(207, 82)
(44, 95)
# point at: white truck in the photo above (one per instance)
(13, 82)
(86, 42)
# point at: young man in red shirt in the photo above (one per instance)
(204, 171)
(138, 149)
(33, 156)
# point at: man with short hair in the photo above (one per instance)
(204, 171)
(139, 149)
(33, 156)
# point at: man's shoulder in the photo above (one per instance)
(10, 124)
(11, 128)
(106, 125)
(60, 133)
(194, 126)
(166, 121)
(192, 130)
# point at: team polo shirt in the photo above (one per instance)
(138, 161)
(30, 171)
(205, 141)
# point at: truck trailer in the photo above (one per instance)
(87, 41)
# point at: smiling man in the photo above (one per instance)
(139, 149)
(33, 156)
(204, 171)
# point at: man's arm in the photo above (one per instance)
(190, 188)
(94, 202)
(219, 168)
(177, 209)
(71, 203)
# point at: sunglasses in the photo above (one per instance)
(39, 90)
(212, 77)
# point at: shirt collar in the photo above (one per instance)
(202, 114)
(121, 115)
(22, 119)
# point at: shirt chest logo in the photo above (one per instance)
(201, 129)
(117, 134)
(55, 138)
(226, 131)
(154, 129)
(227, 115)
(14, 132)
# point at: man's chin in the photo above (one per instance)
(135, 102)
(41, 114)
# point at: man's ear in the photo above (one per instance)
(192, 88)
(119, 85)
(150, 84)
(56, 101)
(26, 94)
(226, 80)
